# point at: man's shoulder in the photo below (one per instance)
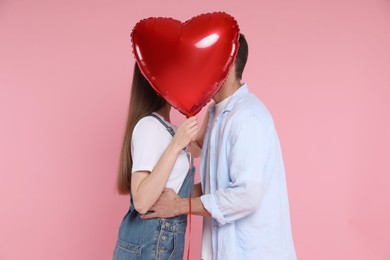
(249, 108)
(250, 105)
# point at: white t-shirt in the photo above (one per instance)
(207, 247)
(149, 141)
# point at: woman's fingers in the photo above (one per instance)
(190, 126)
(186, 132)
(192, 129)
(192, 123)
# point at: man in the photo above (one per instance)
(243, 196)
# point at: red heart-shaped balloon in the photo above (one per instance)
(186, 63)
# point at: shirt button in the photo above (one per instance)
(161, 251)
(168, 224)
(164, 238)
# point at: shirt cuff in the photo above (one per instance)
(210, 205)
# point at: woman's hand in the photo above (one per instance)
(185, 133)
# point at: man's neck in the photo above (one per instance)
(227, 91)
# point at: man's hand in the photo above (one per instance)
(165, 207)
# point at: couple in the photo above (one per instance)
(242, 194)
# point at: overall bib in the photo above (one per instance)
(158, 238)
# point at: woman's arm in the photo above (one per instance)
(146, 187)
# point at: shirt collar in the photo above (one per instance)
(236, 95)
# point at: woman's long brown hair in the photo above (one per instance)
(143, 101)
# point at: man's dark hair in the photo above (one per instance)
(242, 56)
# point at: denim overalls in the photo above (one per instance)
(155, 238)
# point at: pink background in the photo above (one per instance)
(322, 68)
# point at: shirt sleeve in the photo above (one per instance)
(250, 150)
(147, 144)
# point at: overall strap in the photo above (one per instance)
(169, 128)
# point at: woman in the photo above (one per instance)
(153, 158)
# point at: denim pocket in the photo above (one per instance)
(174, 248)
(178, 246)
(127, 251)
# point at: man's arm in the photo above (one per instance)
(250, 154)
(197, 191)
(170, 205)
(197, 144)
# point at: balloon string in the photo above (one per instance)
(190, 208)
